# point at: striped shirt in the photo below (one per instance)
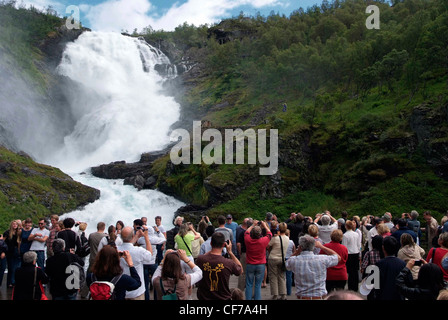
(310, 272)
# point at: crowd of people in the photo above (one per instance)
(311, 258)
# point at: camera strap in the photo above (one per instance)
(191, 253)
(283, 256)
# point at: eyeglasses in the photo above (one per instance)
(41, 222)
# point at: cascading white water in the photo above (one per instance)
(120, 112)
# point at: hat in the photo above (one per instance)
(365, 288)
(386, 218)
(229, 216)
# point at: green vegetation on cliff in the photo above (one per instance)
(366, 125)
(30, 189)
(21, 32)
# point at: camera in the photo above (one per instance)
(418, 263)
(120, 254)
(140, 228)
(259, 223)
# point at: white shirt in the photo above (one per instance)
(291, 249)
(37, 245)
(359, 232)
(161, 228)
(325, 231)
(372, 233)
(103, 242)
(206, 246)
(140, 256)
(351, 240)
(155, 239)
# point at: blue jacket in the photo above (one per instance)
(397, 234)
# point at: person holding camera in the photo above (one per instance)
(140, 256)
(256, 245)
(106, 267)
(310, 269)
(170, 275)
(327, 226)
(184, 240)
(428, 285)
(156, 238)
(217, 270)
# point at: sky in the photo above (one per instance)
(119, 15)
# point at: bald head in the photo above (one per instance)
(127, 233)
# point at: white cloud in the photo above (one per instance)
(117, 15)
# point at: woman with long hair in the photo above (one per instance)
(112, 238)
(184, 240)
(169, 275)
(13, 239)
(107, 266)
(119, 226)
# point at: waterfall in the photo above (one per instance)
(119, 111)
(118, 105)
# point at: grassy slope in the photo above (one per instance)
(30, 189)
(339, 182)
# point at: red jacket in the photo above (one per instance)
(440, 253)
(256, 248)
(339, 271)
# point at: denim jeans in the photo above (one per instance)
(41, 259)
(148, 271)
(14, 262)
(288, 282)
(254, 278)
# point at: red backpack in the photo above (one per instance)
(103, 290)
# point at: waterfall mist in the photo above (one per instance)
(108, 104)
